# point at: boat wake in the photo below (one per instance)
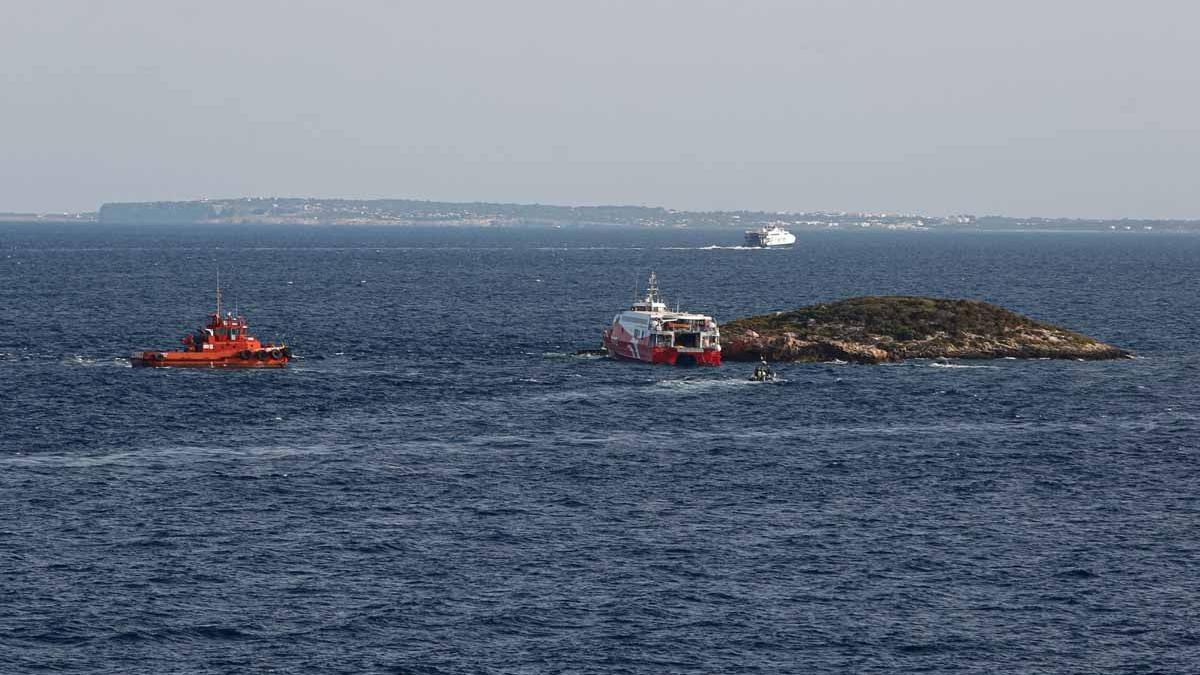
(591, 395)
(961, 365)
(688, 387)
(585, 354)
(92, 362)
(588, 248)
(714, 248)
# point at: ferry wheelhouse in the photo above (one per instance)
(650, 332)
(225, 342)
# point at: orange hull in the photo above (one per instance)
(245, 358)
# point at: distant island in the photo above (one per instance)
(894, 328)
(317, 211)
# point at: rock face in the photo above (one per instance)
(893, 328)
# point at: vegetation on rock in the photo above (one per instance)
(892, 328)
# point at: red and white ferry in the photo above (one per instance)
(649, 332)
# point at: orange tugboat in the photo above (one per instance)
(224, 343)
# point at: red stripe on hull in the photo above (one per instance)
(641, 351)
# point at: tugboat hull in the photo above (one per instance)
(266, 358)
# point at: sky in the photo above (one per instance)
(1064, 108)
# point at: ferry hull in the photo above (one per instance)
(762, 242)
(635, 351)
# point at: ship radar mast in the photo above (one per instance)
(652, 289)
(652, 301)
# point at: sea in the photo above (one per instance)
(439, 484)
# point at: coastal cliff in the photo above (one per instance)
(894, 328)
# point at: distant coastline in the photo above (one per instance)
(410, 212)
(85, 217)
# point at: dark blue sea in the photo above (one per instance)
(438, 485)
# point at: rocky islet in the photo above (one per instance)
(881, 329)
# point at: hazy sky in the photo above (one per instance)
(1049, 107)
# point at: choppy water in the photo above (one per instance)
(438, 486)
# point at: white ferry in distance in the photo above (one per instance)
(773, 235)
(649, 332)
